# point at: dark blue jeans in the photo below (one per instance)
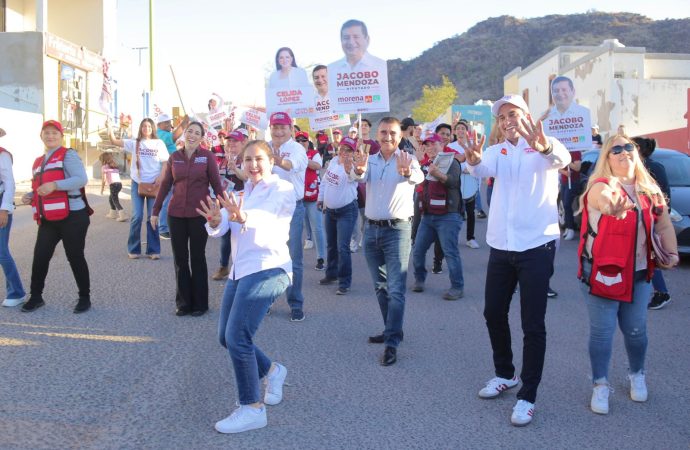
(445, 228)
(294, 293)
(245, 303)
(387, 250)
(532, 269)
(340, 224)
(225, 249)
(153, 241)
(13, 283)
(567, 196)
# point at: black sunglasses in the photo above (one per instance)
(618, 149)
(301, 140)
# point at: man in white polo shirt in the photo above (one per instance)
(522, 233)
(290, 163)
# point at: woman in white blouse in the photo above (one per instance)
(259, 220)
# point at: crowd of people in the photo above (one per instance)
(393, 194)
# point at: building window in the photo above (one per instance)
(551, 78)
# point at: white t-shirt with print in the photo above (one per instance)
(152, 152)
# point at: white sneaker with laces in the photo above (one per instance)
(354, 247)
(274, 385)
(244, 418)
(308, 244)
(472, 243)
(600, 399)
(497, 385)
(13, 301)
(569, 234)
(638, 387)
(523, 411)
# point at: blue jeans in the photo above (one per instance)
(163, 215)
(13, 283)
(245, 303)
(632, 320)
(153, 243)
(387, 250)
(340, 224)
(315, 224)
(658, 282)
(294, 293)
(567, 196)
(445, 228)
(225, 249)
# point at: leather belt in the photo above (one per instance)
(387, 222)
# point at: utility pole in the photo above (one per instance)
(151, 45)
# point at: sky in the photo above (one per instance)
(229, 47)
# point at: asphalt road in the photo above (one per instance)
(130, 374)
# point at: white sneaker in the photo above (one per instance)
(274, 385)
(638, 387)
(354, 247)
(569, 234)
(523, 411)
(472, 243)
(497, 385)
(14, 301)
(244, 418)
(600, 399)
(308, 244)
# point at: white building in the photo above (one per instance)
(649, 93)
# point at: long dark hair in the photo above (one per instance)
(287, 49)
(154, 135)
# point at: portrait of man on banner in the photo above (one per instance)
(566, 120)
(359, 81)
(323, 117)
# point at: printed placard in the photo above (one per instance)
(254, 118)
(567, 121)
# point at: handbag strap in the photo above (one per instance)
(138, 163)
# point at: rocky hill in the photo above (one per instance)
(477, 60)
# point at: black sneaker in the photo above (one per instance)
(324, 281)
(341, 291)
(551, 293)
(659, 300)
(319, 264)
(481, 214)
(83, 305)
(297, 315)
(33, 304)
(438, 268)
(165, 235)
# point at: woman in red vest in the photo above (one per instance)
(621, 204)
(59, 204)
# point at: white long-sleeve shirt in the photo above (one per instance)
(7, 180)
(337, 189)
(295, 153)
(261, 242)
(523, 212)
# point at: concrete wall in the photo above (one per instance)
(22, 139)
(537, 81)
(51, 88)
(659, 67)
(78, 21)
(20, 15)
(21, 79)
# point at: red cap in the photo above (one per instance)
(302, 134)
(322, 138)
(222, 134)
(280, 118)
(349, 142)
(337, 131)
(433, 137)
(54, 124)
(236, 135)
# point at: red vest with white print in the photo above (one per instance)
(54, 206)
(311, 180)
(610, 269)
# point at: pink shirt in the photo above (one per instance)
(111, 175)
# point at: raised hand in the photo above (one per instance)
(361, 158)
(533, 134)
(403, 162)
(473, 147)
(211, 211)
(233, 206)
(619, 204)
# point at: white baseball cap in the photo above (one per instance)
(163, 118)
(512, 99)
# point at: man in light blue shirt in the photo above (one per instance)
(391, 175)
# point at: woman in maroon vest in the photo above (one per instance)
(621, 204)
(59, 204)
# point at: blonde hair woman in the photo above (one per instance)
(619, 208)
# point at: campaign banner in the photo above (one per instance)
(217, 118)
(323, 117)
(254, 118)
(296, 101)
(358, 82)
(567, 121)
(361, 89)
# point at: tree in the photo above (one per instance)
(434, 101)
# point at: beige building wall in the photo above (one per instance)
(78, 21)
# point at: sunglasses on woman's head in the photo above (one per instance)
(618, 149)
